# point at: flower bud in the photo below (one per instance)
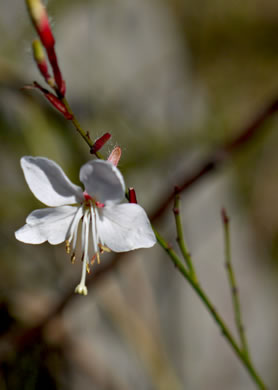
(40, 20)
(100, 143)
(115, 156)
(56, 102)
(61, 86)
(41, 62)
(132, 195)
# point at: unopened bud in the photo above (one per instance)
(132, 195)
(100, 142)
(115, 156)
(40, 20)
(56, 102)
(61, 86)
(41, 62)
(41, 23)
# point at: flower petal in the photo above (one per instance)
(125, 227)
(103, 181)
(49, 224)
(49, 183)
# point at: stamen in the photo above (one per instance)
(94, 228)
(104, 248)
(98, 258)
(74, 227)
(86, 238)
(93, 259)
(68, 247)
(81, 288)
(73, 258)
(97, 222)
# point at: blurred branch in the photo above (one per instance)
(219, 156)
(233, 284)
(17, 339)
(241, 354)
(180, 239)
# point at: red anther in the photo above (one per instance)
(100, 142)
(132, 195)
(56, 102)
(115, 156)
(99, 205)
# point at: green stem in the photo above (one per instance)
(204, 298)
(180, 239)
(233, 285)
(84, 134)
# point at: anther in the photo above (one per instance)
(88, 268)
(67, 246)
(73, 258)
(93, 259)
(98, 258)
(104, 248)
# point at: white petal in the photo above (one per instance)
(49, 183)
(103, 181)
(49, 224)
(125, 227)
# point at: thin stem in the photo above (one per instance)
(233, 284)
(180, 239)
(206, 301)
(84, 134)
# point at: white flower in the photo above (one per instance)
(104, 223)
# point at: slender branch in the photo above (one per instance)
(233, 284)
(84, 134)
(219, 156)
(180, 239)
(206, 301)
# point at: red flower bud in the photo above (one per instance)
(40, 20)
(100, 142)
(61, 85)
(56, 102)
(115, 156)
(132, 195)
(41, 62)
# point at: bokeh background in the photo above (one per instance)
(171, 81)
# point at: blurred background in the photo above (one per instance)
(171, 81)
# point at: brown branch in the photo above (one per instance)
(19, 339)
(218, 157)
